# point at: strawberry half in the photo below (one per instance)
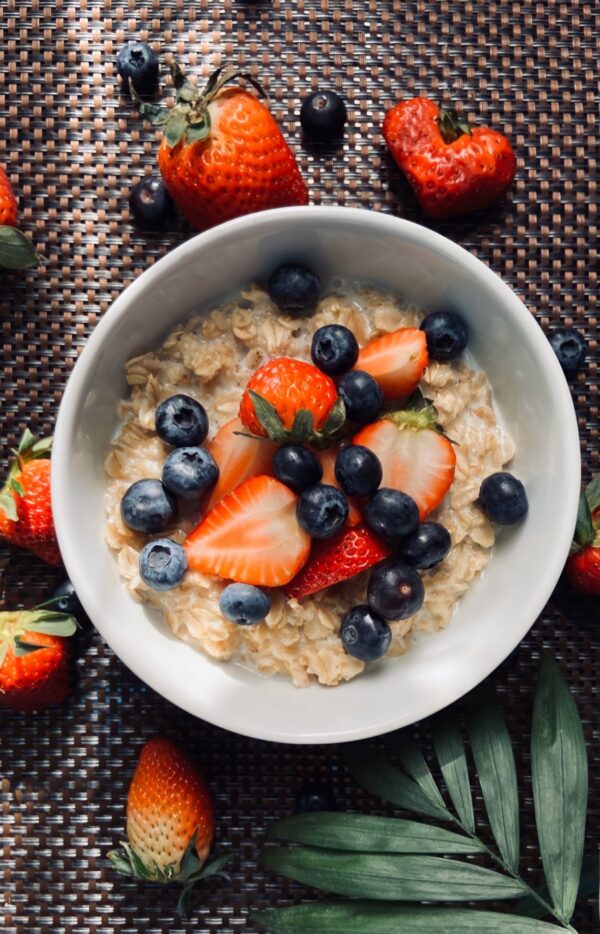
(238, 458)
(252, 536)
(397, 361)
(337, 559)
(415, 456)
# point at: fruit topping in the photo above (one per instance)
(570, 348)
(252, 536)
(147, 506)
(397, 361)
(322, 510)
(392, 515)
(238, 457)
(244, 604)
(426, 546)
(137, 65)
(297, 467)
(334, 349)
(323, 116)
(163, 564)
(364, 634)
(181, 421)
(362, 396)
(395, 590)
(150, 203)
(190, 472)
(295, 289)
(327, 458)
(357, 470)
(446, 335)
(503, 498)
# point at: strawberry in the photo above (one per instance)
(583, 564)
(16, 251)
(34, 657)
(238, 458)
(337, 559)
(223, 154)
(252, 536)
(327, 458)
(170, 821)
(25, 504)
(290, 400)
(415, 456)
(397, 361)
(452, 169)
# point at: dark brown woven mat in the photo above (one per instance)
(73, 148)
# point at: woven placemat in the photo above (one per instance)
(74, 147)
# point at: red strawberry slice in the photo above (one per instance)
(252, 536)
(327, 459)
(337, 559)
(238, 458)
(396, 360)
(418, 461)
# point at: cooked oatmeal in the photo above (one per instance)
(211, 357)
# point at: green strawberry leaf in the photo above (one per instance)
(27, 442)
(268, 416)
(25, 648)
(592, 493)
(16, 250)
(584, 529)
(43, 446)
(302, 428)
(8, 505)
(17, 487)
(335, 419)
(175, 127)
(51, 623)
(197, 131)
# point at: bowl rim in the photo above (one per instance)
(66, 424)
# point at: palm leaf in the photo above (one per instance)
(413, 762)
(450, 752)
(382, 779)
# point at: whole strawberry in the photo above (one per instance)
(452, 169)
(170, 821)
(223, 155)
(25, 503)
(34, 658)
(16, 251)
(583, 565)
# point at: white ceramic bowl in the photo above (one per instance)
(533, 400)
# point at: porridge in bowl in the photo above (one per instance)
(307, 545)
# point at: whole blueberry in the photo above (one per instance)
(503, 498)
(162, 564)
(446, 335)
(322, 510)
(138, 61)
(147, 506)
(244, 604)
(361, 395)
(365, 635)
(190, 472)
(181, 421)
(570, 347)
(65, 600)
(150, 203)
(297, 467)
(357, 470)
(392, 514)
(426, 546)
(395, 590)
(295, 289)
(334, 349)
(323, 116)
(314, 796)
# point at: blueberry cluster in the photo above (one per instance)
(189, 473)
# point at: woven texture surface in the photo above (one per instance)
(74, 147)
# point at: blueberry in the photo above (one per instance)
(148, 507)
(357, 470)
(427, 546)
(503, 498)
(334, 349)
(181, 421)
(65, 600)
(162, 564)
(297, 467)
(295, 289)
(570, 347)
(244, 604)
(365, 634)
(140, 63)
(190, 472)
(392, 514)
(323, 116)
(446, 335)
(314, 796)
(362, 396)
(322, 510)
(395, 590)
(150, 203)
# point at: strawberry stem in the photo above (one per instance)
(451, 126)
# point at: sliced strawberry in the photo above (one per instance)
(419, 461)
(396, 360)
(238, 458)
(252, 536)
(327, 458)
(337, 559)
